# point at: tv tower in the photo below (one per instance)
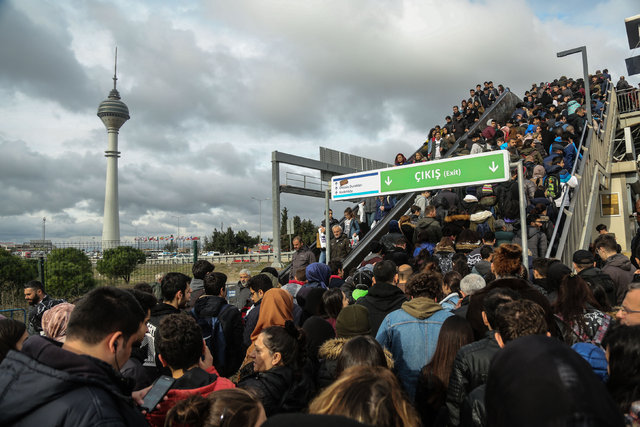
(113, 114)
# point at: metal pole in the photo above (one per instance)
(585, 70)
(275, 210)
(523, 215)
(195, 251)
(327, 227)
(587, 90)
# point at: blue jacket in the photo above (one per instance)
(411, 334)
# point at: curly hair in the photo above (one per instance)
(425, 285)
(507, 260)
(178, 340)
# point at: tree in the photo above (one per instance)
(120, 262)
(228, 241)
(14, 272)
(68, 273)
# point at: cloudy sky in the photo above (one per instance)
(213, 87)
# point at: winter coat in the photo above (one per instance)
(210, 306)
(301, 259)
(328, 354)
(207, 382)
(504, 237)
(280, 390)
(536, 242)
(621, 271)
(45, 385)
(159, 312)
(595, 276)
(421, 317)
(250, 322)
(340, 247)
(382, 299)
(470, 370)
(432, 227)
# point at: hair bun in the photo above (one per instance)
(291, 329)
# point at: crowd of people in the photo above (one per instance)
(441, 324)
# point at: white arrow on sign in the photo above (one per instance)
(493, 167)
(388, 180)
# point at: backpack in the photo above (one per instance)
(214, 337)
(551, 184)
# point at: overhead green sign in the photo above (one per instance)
(469, 170)
(474, 169)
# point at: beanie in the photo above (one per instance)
(352, 321)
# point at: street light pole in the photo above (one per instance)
(260, 215)
(585, 70)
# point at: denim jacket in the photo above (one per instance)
(411, 334)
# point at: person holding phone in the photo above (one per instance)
(77, 383)
(181, 348)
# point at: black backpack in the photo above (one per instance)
(214, 337)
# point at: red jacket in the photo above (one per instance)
(156, 418)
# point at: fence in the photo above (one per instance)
(628, 100)
(71, 274)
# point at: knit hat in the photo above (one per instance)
(538, 171)
(565, 176)
(352, 321)
(583, 257)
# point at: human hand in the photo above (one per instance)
(207, 362)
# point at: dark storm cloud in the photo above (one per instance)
(38, 60)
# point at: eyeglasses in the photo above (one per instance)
(625, 310)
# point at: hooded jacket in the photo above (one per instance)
(536, 241)
(432, 228)
(411, 334)
(45, 385)
(194, 381)
(382, 299)
(620, 269)
(209, 306)
(151, 363)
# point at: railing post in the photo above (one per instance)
(195, 251)
(41, 270)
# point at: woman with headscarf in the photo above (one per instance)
(275, 309)
(55, 320)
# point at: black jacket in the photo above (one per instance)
(44, 385)
(280, 389)
(151, 363)
(594, 276)
(250, 322)
(209, 306)
(470, 370)
(382, 299)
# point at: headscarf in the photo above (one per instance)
(275, 309)
(55, 321)
(318, 273)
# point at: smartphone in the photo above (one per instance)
(158, 390)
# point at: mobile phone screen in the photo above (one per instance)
(159, 389)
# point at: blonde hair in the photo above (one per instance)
(368, 395)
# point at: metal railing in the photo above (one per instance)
(595, 164)
(404, 204)
(628, 100)
(9, 312)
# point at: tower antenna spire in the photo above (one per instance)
(115, 69)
